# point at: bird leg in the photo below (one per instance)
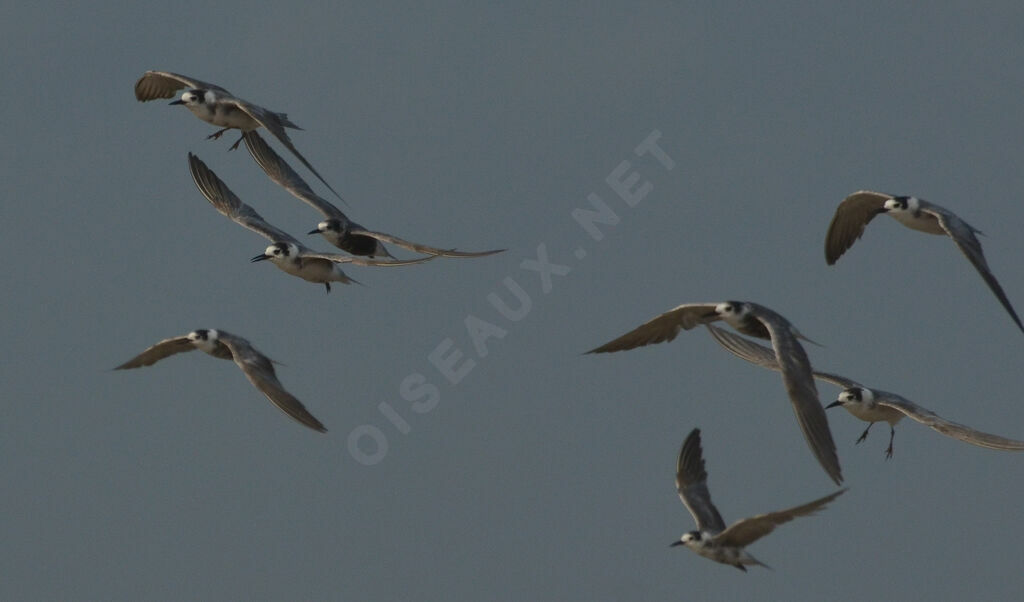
(217, 134)
(864, 435)
(235, 145)
(892, 435)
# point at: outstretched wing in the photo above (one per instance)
(798, 378)
(260, 372)
(746, 531)
(692, 485)
(154, 354)
(852, 216)
(273, 123)
(278, 170)
(228, 203)
(948, 427)
(963, 235)
(164, 84)
(663, 328)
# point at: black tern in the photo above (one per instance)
(857, 210)
(286, 252)
(870, 405)
(337, 229)
(257, 367)
(756, 320)
(217, 106)
(712, 539)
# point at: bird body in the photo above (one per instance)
(288, 257)
(705, 544)
(867, 407)
(913, 215)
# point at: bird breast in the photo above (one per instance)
(922, 222)
(874, 412)
(225, 115)
(313, 270)
(723, 554)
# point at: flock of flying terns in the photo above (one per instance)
(215, 105)
(712, 538)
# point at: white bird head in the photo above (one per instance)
(853, 396)
(204, 339)
(901, 204)
(732, 310)
(192, 98)
(333, 224)
(692, 539)
(277, 252)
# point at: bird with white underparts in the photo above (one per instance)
(215, 105)
(869, 405)
(856, 211)
(712, 539)
(286, 252)
(760, 321)
(258, 368)
(337, 228)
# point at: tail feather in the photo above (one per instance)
(283, 117)
(758, 562)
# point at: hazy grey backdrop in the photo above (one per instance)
(543, 473)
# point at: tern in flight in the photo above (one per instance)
(337, 228)
(756, 320)
(217, 106)
(712, 539)
(257, 367)
(857, 210)
(870, 405)
(286, 252)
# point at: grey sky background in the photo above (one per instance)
(543, 474)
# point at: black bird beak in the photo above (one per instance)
(675, 543)
(178, 102)
(834, 404)
(259, 257)
(314, 231)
